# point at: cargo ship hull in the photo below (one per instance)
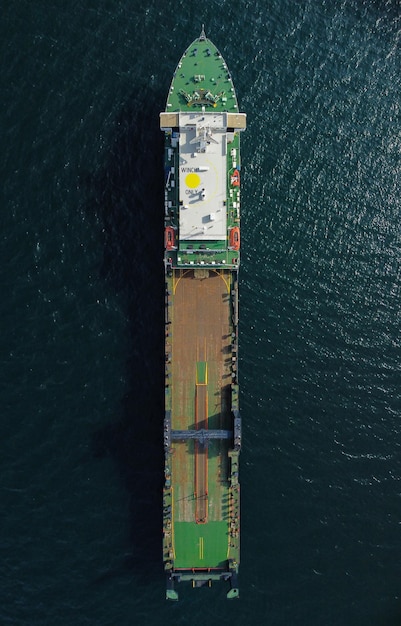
(202, 425)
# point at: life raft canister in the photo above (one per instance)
(235, 180)
(169, 238)
(234, 238)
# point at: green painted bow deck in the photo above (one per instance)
(202, 424)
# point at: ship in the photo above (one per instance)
(202, 424)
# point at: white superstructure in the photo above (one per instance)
(202, 176)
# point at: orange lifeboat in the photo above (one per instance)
(169, 238)
(234, 238)
(235, 178)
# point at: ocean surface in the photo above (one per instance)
(81, 343)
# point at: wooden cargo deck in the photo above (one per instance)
(201, 372)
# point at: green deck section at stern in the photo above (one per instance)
(201, 545)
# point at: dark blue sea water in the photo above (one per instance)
(81, 348)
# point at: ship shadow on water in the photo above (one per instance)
(127, 196)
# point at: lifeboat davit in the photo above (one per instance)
(235, 178)
(234, 238)
(169, 238)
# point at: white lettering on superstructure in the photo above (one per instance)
(190, 170)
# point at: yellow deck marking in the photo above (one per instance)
(172, 520)
(224, 277)
(201, 548)
(198, 384)
(192, 181)
(177, 280)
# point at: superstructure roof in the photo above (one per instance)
(202, 176)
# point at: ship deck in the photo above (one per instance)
(202, 423)
(203, 177)
(201, 375)
(202, 78)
